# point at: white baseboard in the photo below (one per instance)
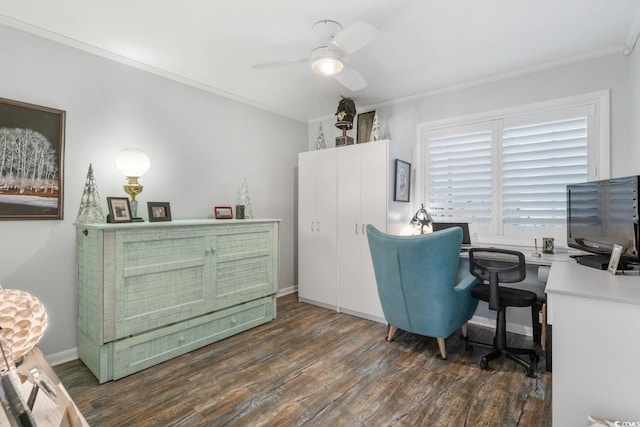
(514, 328)
(286, 291)
(62, 357)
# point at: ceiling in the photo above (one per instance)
(423, 46)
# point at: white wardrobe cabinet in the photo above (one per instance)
(364, 180)
(317, 199)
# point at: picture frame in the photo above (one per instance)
(364, 126)
(616, 253)
(119, 210)
(159, 211)
(547, 245)
(223, 212)
(402, 185)
(23, 196)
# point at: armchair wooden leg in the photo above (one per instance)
(441, 345)
(392, 332)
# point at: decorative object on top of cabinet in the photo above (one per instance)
(245, 199)
(119, 210)
(90, 211)
(376, 130)
(365, 126)
(159, 211)
(320, 144)
(344, 139)
(547, 245)
(239, 211)
(403, 181)
(345, 114)
(132, 162)
(223, 212)
(32, 127)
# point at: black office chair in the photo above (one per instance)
(502, 266)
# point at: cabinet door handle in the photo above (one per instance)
(363, 228)
(356, 228)
(209, 251)
(313, 226)
(318, 227)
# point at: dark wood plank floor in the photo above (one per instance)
(312, 366)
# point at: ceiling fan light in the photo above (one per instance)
(327, 66)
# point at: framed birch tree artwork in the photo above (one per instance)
(31, 161)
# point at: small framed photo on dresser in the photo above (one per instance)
(615, 259)
(119, 210)
(159, 211)
(223, 212)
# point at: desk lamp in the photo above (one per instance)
(133, 163)
(421, 218)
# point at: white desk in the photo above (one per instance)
(596, 343)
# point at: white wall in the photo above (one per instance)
(201, 147)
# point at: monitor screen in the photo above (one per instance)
(603, 213)
(466, 238)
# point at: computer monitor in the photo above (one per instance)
(466, 238)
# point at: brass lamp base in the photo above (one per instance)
(133, 188)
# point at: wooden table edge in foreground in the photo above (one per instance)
(54, 408)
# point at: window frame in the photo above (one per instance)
(598, 158)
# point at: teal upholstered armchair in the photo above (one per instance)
(417, 283)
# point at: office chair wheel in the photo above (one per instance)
(534, 358)
(531, 373)
(484, 364)
(469, 348)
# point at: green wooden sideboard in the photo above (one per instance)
(148, 292)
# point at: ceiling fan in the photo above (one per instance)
(335, 44)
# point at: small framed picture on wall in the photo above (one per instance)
(403, 181)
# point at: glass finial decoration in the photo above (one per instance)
(376, 131)
(90, 211)
(320, 144)
(245, 199)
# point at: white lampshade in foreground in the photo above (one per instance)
(23, 320)
(132, 162)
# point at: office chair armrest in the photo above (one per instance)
(468, 282)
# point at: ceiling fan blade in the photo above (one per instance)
(351, 79)
(276, 64)
(355, 36)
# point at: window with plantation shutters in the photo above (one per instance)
(506, 172)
